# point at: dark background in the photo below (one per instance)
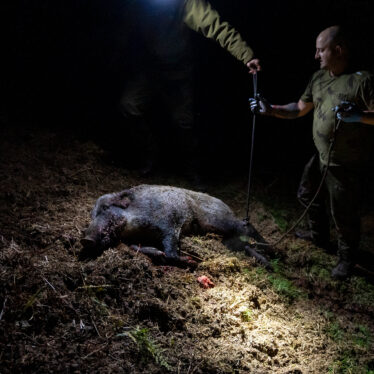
(65, 63)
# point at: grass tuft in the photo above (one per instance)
(147, 347)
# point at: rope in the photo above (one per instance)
(252, 146)
(332, 142)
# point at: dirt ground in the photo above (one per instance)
(119, 313)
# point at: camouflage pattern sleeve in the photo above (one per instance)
(367, 92)
(202, 18)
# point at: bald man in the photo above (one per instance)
(337, 81)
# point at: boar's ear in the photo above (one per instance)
(122, 199)
(122, 203)
(126, 193)
(99, 202)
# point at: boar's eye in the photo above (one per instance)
(120, 206)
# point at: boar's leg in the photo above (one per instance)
(150, 251)
(158, 257)
(170, 243)
(259, 257)
(254, 234)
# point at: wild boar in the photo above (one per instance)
(157, 216)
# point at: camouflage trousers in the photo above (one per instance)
(158, 108)
(171, 89)
(338, 200)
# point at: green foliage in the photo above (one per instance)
(281, 284)
(278, 281)
(295, 246)
(327, 314)
(31, 301)
(320, 272)
(345, 365)
(253, 274)
(246, 315)
(102, 308)
(196, 302)
(284, 287)
(362, 291)
(261, 271)
(277, 267)
(352, 347)
(363, 336)
(262, 217)
(281, 218)
(335, 331)
(348, 364)
(147, 347)
(278, 206)
(198, 240)
(246, 271)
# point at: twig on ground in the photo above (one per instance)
(193, 256)
(49, 284)
(93, 322)
(93, 352)
(80, 171)
(2, 312)
(91, 286)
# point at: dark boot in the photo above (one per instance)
(342, 270)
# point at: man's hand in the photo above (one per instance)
(350, 116)
(348, 112)
(254, 66)
(260, 105)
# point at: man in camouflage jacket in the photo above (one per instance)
(160, 67)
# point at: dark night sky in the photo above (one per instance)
(65, 61)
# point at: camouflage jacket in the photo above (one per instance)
(201, 17)
(160, 26)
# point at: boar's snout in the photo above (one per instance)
(95, 240)
(88, 242)
(90, 248)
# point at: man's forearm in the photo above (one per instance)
(287, 111)
(368, 117)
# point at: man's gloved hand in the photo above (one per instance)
(348, 112)
(254, 66)
(349, 116)
(259, 105)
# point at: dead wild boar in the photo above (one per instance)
(155, 215)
